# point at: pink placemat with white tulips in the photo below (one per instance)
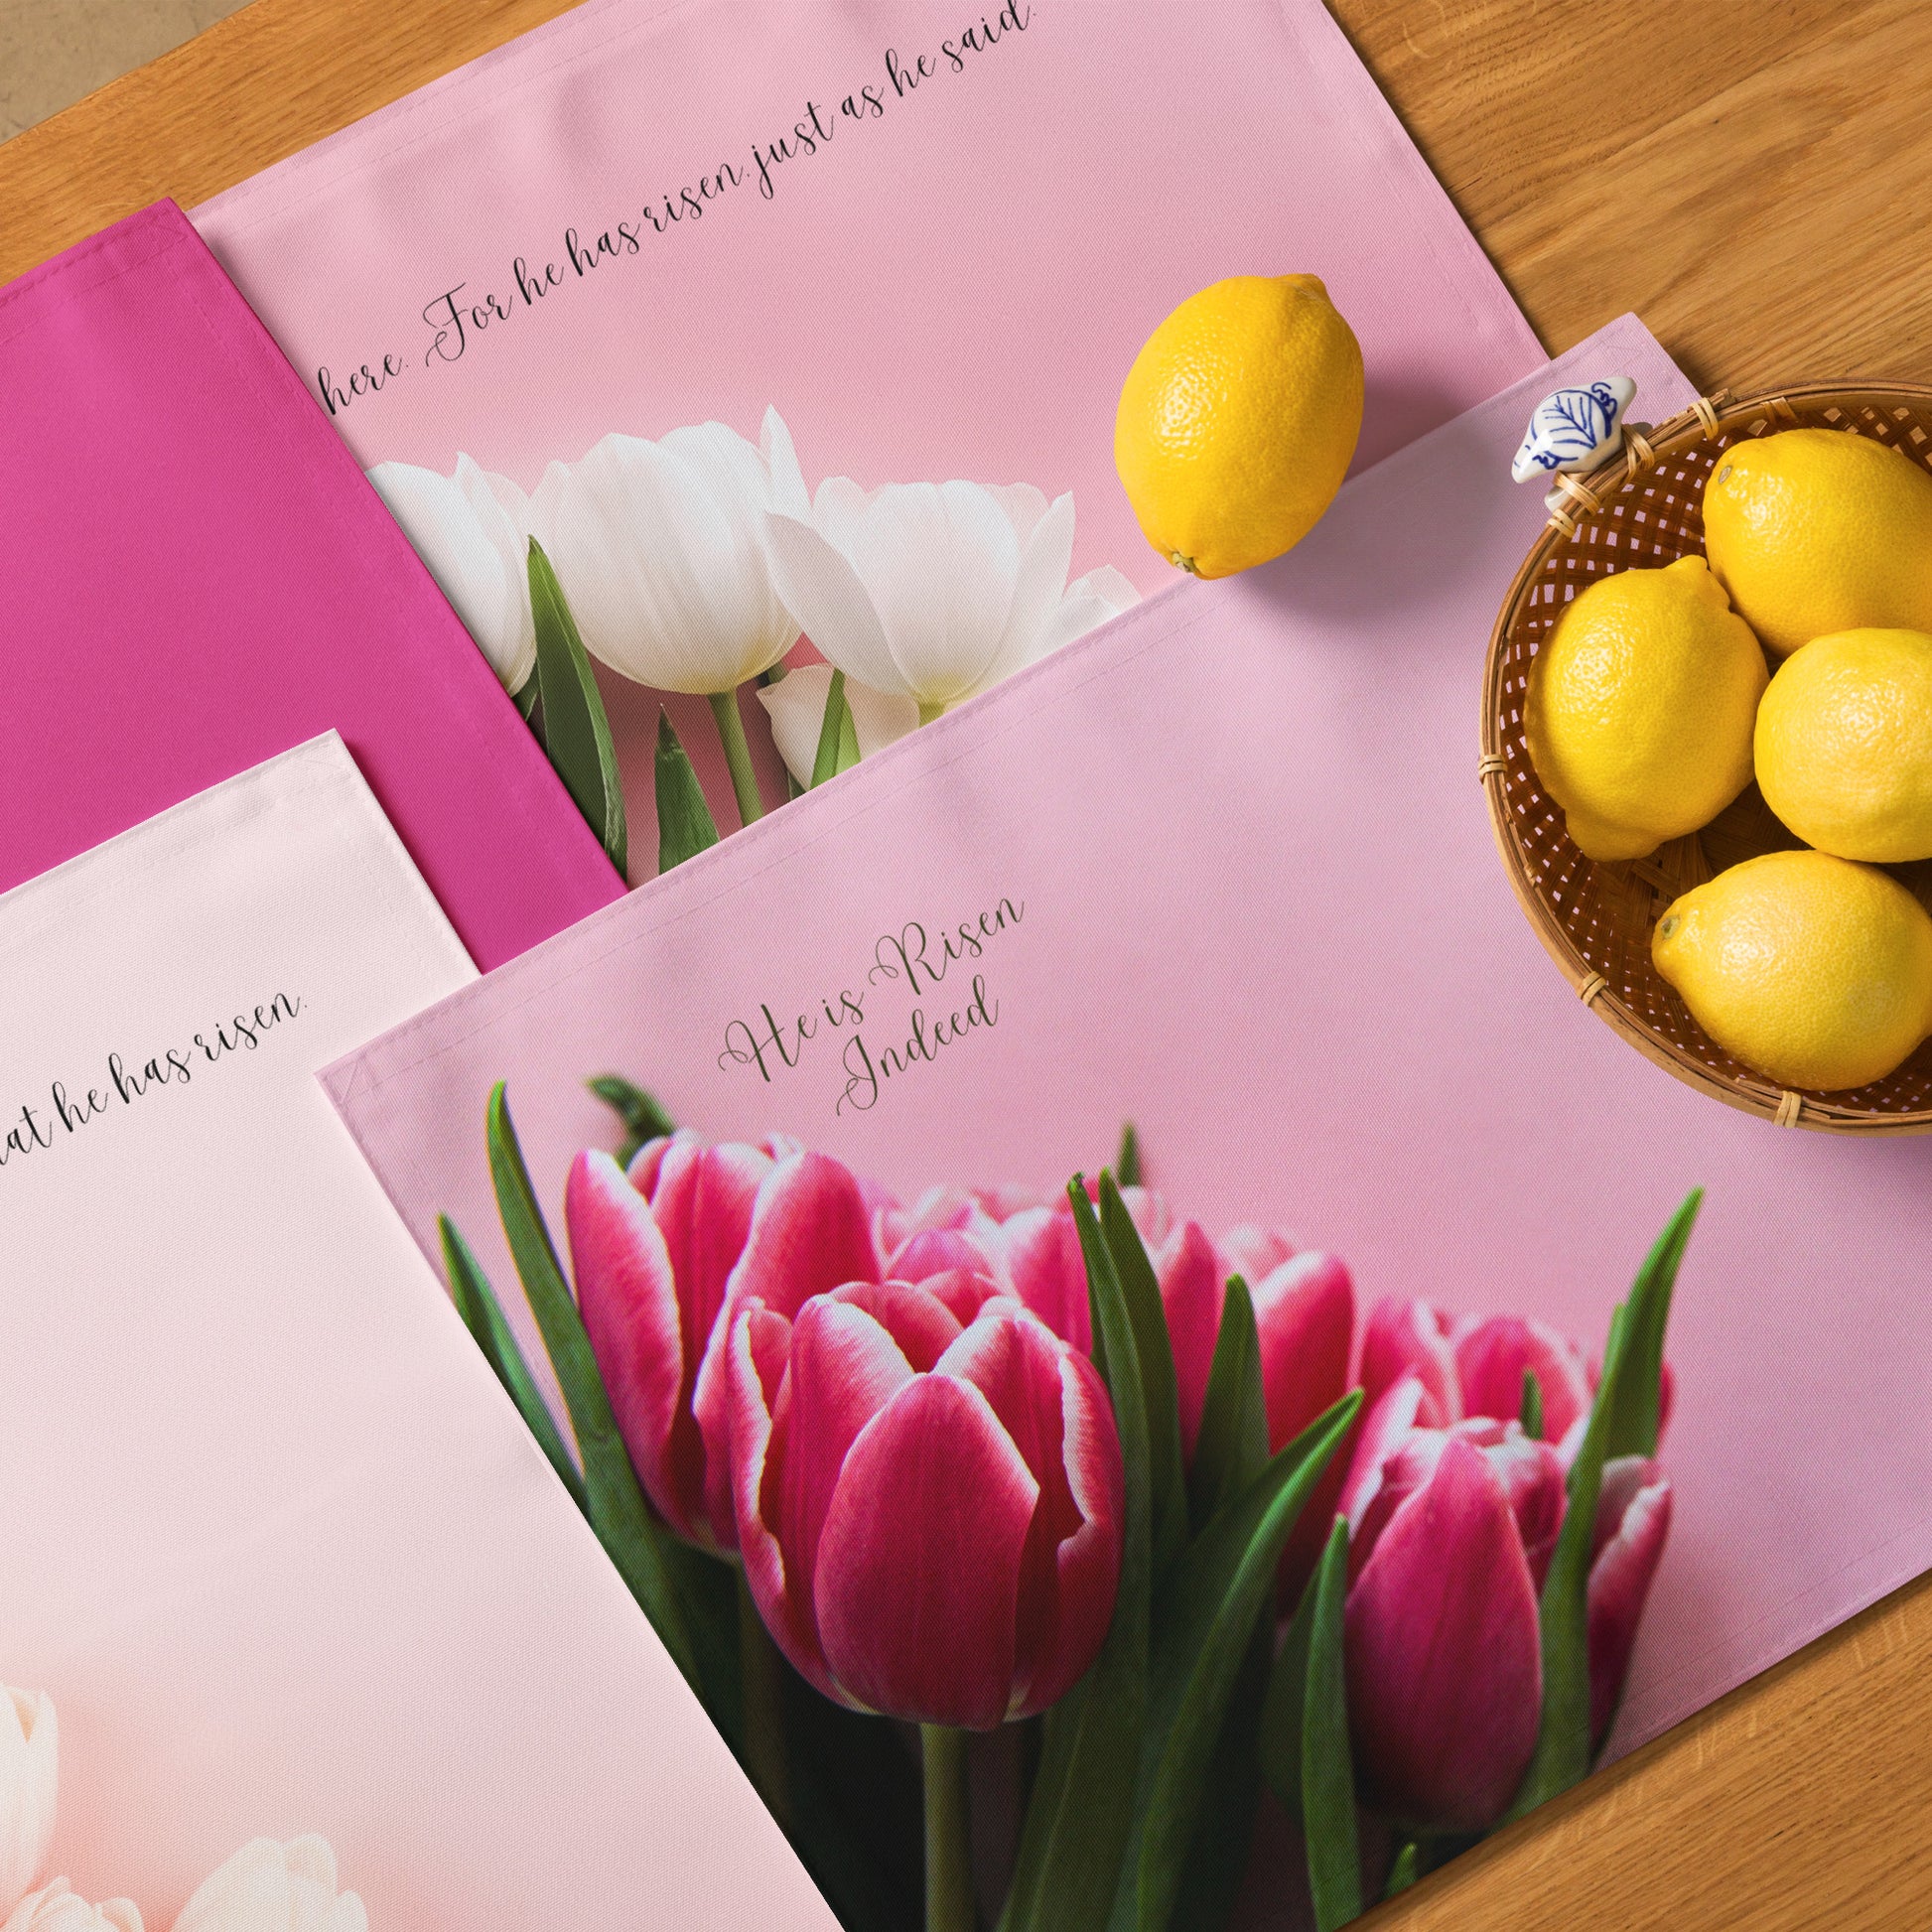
(655, 269)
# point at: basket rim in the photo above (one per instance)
(1709, 417)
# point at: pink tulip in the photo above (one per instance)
(661, 1255)
(1304, 1303)
(929, 1496)
(1305, 1320)
(1030, 1248)
(1474, 1366)
(1454, 1520)
(1633, 1521)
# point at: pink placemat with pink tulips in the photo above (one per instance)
(1014, 1461)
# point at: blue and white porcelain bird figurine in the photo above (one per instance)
(1574, 430)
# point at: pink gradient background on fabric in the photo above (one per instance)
(953, 289)
(199, 577)
(1264, 918)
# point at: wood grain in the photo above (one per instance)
(1753, 179)
(255, 88)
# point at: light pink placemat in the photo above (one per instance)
(197, 577)
(1263, 916)
(951, 286)
(278, 1549)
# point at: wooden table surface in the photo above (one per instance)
(1755, 181)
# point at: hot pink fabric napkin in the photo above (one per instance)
(1255, 906)
(197, 577)
(935, 253)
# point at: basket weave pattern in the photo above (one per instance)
(1642, 510)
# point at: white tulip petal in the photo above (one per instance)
(789, 492)
(271, 1888)
(939, 562)
(878, 717)
(469, 554)
(1036, 594)
(823, 592)
(59, 1909)
(659, 552)
(738, 480)
(1091, 600)
(30, 1762)
(540, 513)
(1022, 503)
(796, 707)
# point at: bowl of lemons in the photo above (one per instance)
(1708, 750)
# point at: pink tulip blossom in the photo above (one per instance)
(1454, 1519)
(661, 1253)
(1028, 1247)
(929, 1496)
(1304, 1303)
(1473, 1366)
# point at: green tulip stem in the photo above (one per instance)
(929, 711)
(738, 755)
(761, 1677)
(948, 1852)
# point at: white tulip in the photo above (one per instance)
(1089, 602)
(931, 592)
(660, 550)
(271, 1888)
(796, 708)
(30, 1754)
(473, 530)
(58, 1909)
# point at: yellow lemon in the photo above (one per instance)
(1814, 531)
(1238, 419)
(1640, 706)
(1814, 971)
(1843, 744)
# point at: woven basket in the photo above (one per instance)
(1643, 509)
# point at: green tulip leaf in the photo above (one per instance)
(1532, 1405)
(1281, 1714)
(1232, 1447)
(576, 732)
(483, 1314)
(685, 826)
(1159, 1389)
(856, 1813)
(1328, 1766)
(1079, 1815)
(1622, 1422)
(838, 736)
(1206, 1614)
(524, 697)
(1230, 1452)
(1635, 1413)
(1213, 1874)
(615, 1502)
(644, 1119)
(1127, 1163)
(1404, 1869)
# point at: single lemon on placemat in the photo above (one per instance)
(1238, 419)
(1812, 969)
(1843, 744)
(1640, 707)
(1816, 530)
